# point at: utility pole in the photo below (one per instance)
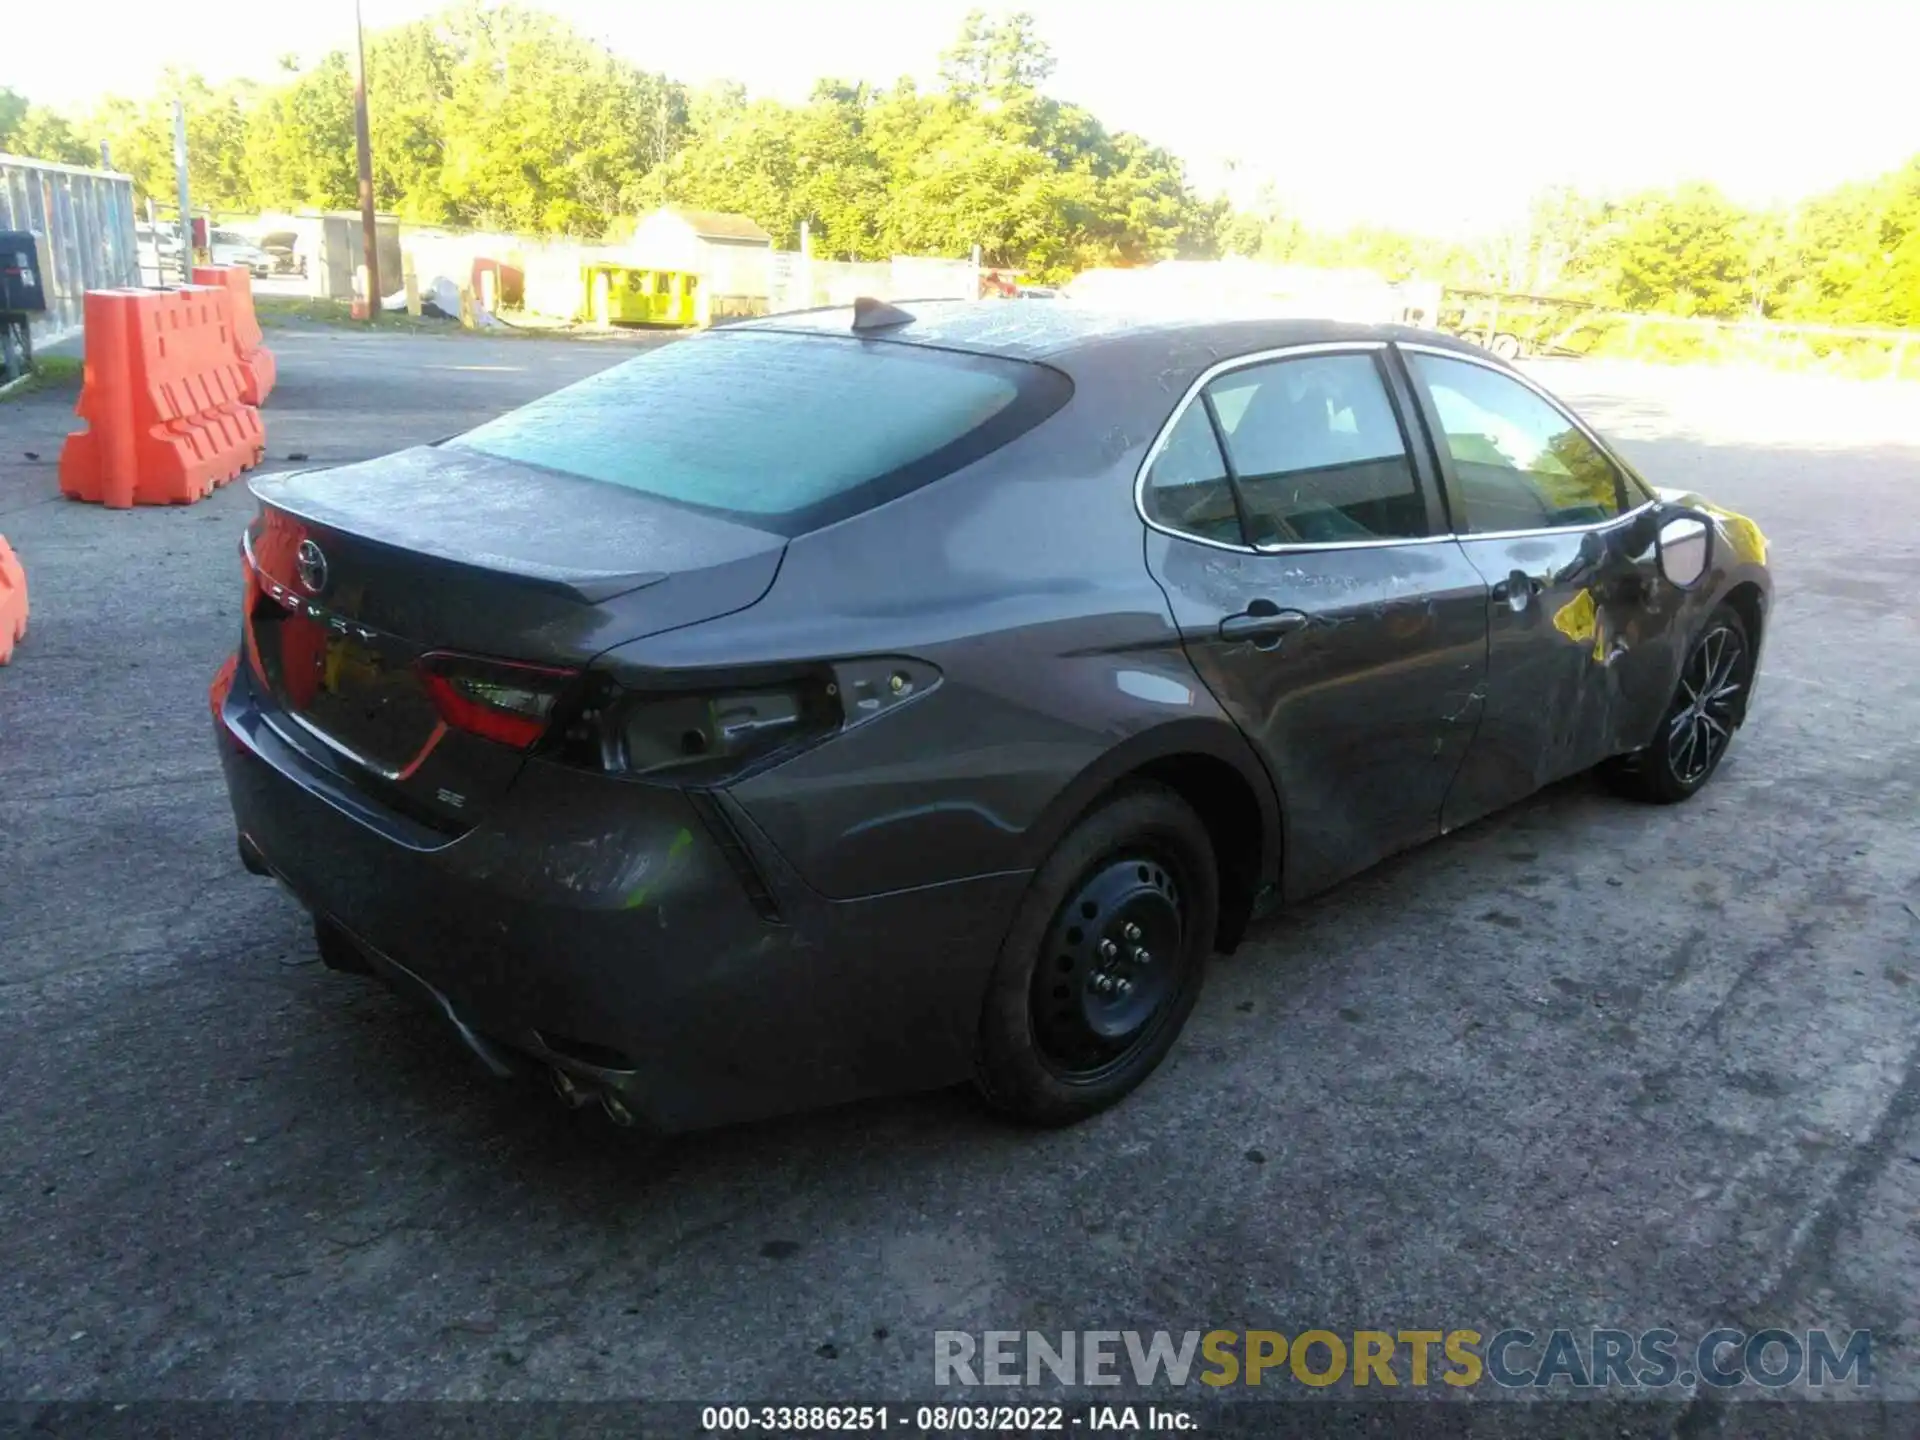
(180, 176)
(363, 140)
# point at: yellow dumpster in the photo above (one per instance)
(638, 295)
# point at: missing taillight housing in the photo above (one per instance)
(504, 701)
(707, 736)
(717, 734)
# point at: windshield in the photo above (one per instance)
(783, 432)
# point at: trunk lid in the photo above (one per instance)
(357, 573)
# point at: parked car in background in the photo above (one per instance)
(284, 251)
(858, 701)
(230, 247)
(158, 248)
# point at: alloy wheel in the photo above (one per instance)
(1707, 707)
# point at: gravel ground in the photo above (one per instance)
(1584, 1063)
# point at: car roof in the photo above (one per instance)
(1054, 330)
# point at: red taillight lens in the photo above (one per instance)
(498, 700)
(250, 601)
(222, 683)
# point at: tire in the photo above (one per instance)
(1685, 753)
(1506, 347)
(1070, 1026)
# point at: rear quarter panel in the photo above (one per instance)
(1023, 580)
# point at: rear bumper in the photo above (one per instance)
(645, 942)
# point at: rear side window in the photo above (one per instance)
(1318, 456)
(1187, 487)
(1318, 452)
(782, 432)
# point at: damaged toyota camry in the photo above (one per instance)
(871, 699)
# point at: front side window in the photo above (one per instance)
(1520, 463)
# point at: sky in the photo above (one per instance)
(1442, 116)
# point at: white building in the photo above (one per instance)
(731, 255)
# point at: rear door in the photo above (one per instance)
(1558, 532)
(1298, 534)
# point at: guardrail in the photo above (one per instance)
(1544, 325)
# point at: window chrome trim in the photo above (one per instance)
(1467, 536)
(1242, 362)
(1488, 362)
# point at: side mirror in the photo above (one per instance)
(1685, 549)
(1593, 552)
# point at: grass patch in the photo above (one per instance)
(274, 311)
(279, 311)
(49, 372)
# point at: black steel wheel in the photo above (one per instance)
(1708, 705)
(1110, 964)
(1103, 961)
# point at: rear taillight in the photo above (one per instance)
(499, 700)
(250, 602)
(222, 685)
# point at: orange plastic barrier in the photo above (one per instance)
(256, 361)
(161, 396)
(13, 601)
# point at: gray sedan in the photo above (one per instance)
(863, 700)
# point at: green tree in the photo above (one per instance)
(545, 130)
(1852, 256)
(996, 58)
(41, 134)
(140, 137)
(13, 109)
(1683, 252)
(299, 148)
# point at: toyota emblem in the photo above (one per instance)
(311, 561)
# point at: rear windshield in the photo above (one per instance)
(782, 432)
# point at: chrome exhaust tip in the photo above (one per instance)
(616, 1109)
(571, 1093)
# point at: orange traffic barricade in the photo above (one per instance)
(257, 365)
(162, 398)
(13, 601)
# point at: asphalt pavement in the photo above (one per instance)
(1583, 1064)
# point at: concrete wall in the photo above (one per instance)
(800, 282)
(82, 223)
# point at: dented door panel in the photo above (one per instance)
(1364, 712)
(1577, 659)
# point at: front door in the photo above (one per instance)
(1562, 537)
(1299, 538)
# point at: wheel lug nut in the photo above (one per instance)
(1132, 932)
(1142, 957)
(1124, 987)
(1108, 949)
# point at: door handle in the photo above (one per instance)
(1519, 588)
(1264, 623)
